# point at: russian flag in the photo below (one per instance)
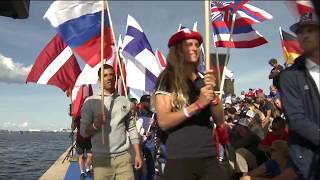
(142, 66)
(79, 24)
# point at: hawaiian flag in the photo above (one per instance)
(79, 23)
(243, 35)
(299, 7)
(142, 66)
(291, 47)
(56, 65)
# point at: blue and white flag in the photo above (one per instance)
(142, 66)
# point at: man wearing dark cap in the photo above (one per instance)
(148, 145)
(183, 102)
(275, 71)
(301, 101)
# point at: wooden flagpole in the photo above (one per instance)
(216, 110)
(102, 71)
(207, 30)
(228, 54)
(117, 52)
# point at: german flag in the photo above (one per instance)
(291, 47)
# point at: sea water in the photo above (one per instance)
(27, 155)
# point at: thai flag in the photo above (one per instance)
(56, 65)
(79, 23)
(142, 66)
(243, 36)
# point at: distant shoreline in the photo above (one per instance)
(35, 130)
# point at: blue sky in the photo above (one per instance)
(33, 106)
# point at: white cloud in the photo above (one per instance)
(12, 72)
(8, 125)
(24, 125)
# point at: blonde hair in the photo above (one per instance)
(175, 73)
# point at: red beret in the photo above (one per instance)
(258, 91)
(184, 35)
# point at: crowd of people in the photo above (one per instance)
(192, 134)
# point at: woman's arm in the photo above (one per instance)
(168, 119)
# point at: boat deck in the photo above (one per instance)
(68, 170)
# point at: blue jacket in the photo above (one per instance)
(301, 104)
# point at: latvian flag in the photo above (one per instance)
(56, 65)
(291, 47)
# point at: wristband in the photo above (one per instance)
(199, 105)
(94, 127)
(185, 112)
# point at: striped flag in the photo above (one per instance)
(56, 65)
(290, 45)
(161, 59)
(79, 23)
(245, 13)
(79, 94)
(299, 7)
(243, 36)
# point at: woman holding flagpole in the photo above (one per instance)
(184, 103)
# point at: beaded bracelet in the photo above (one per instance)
(199, 105)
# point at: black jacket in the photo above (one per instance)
(301, 104)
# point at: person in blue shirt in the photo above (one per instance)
(148, 145)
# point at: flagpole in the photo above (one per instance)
(102, 71)
(218, 67)
(207, 30)
(117, 52)
(228, 54)
(179, 28)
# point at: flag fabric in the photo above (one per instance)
(245, 13)
(161, 59)
(79, 94)
(89, 75)
(299, 7)
(142, 66)
(243, 36)
(56, 65)
(202, 65)
(291, 47)
(121, 80)
(79, 23)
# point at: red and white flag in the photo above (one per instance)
(56, 65)
(79, 95)
(161, 59)
(299, 7)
